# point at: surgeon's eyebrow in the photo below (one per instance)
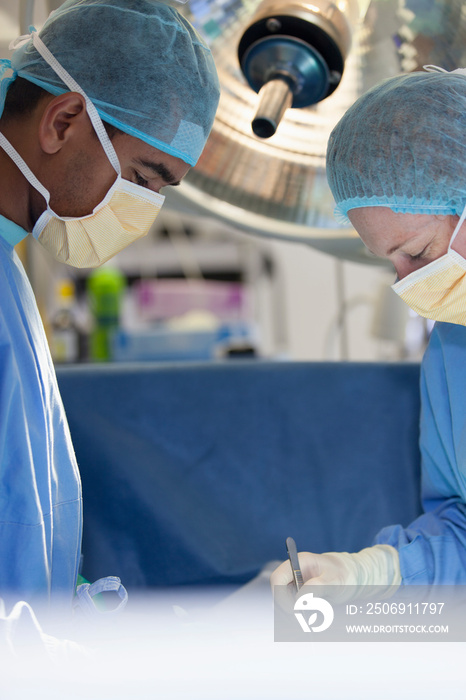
(387, 253)
(394, 249)
(159, 169)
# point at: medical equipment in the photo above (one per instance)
(293, 55)
(294, 562)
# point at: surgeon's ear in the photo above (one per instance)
(63, 117)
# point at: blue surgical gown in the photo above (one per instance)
(40, 490)
(433, 548)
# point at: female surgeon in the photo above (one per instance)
(396, 165)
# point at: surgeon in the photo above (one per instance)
(396, 165)
(112, 101)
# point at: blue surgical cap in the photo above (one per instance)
(141, 63)
(402, 145)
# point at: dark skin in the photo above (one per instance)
(59, 144)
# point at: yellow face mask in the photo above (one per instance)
(126, 214)
(438, 290)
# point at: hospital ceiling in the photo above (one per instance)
(276, 187)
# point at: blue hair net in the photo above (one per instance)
(402, 145)
(145, 68)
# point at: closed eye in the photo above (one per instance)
(420, 255)
(140, 180)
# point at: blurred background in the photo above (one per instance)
(246, 258)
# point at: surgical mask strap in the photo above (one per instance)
(458, 226)
(73, 85)
(25, 169)
(462, 71)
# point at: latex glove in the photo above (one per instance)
(374, 566)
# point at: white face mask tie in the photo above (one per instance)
(73, 85)
(126, 213)
(436, 69)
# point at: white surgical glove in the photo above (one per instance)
(374, 566)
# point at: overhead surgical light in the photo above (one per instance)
(293, 54)
(277, 186)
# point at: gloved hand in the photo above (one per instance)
(374, 566)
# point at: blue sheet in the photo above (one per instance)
(196, 474)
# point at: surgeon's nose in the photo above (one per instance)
(405, 267)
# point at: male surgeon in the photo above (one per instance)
(112, 101)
